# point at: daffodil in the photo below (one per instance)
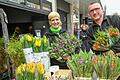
(27, 41)
(19, 70)
(41, 71)
(40, 68)
(38, 42)
(29, 38)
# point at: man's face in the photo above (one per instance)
(95, 11)
(55, 22)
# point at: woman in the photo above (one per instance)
(54, 31)
(55, 26)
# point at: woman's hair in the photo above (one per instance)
(53, 14)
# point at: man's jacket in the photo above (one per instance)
(107, 22)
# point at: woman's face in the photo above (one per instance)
(95, 11)
(55, 22)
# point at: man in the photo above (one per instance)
(100, 22)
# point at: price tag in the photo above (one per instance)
(54, 68)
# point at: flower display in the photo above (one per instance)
(29, 71)
(27, 41)
(105, 39)
(81, 64)
(64, 47)
(107, 66)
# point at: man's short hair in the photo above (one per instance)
(93, 2)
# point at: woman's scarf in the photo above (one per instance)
(55, 30)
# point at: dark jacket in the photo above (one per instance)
(107, 22)
(51, 36)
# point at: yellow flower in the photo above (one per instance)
(29, 38)
(38, 42)
(31, 67)
(40, 68)
(19, 71)
(23, 66)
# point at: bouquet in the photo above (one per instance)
(30, 71)
(27, 41)
(107, 66)
(64, 47)
(105, 39)
(81, 64)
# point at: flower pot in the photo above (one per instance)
(28, 55)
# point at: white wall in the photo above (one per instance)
(112, 6)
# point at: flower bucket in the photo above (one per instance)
(37, 57)
(43, 58)
(82, 78)
(29, 56)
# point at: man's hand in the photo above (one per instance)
(109, 52)
(118, 54)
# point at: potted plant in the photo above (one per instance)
(40, 49)
(15, 52)
(27, 44)
(107, 66)
(82, 65)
